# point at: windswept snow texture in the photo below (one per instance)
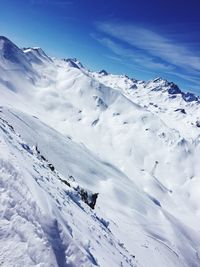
(64, 128)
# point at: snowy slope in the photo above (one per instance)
(42, 219)
(178, 109)
(120, 203)
(135, 143)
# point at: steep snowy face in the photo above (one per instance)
(15, 70)
(138, 147)
(11, 56)
(43, 217)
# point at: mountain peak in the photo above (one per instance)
(4, 38)
(158, 79)
(103, 72)
(37, 49)
(12, 54)
(36, 55)
(9, 50)
(74, 62)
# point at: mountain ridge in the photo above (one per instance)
(135, 143)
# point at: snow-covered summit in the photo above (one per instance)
(160, 84)
(36, 55)
(74, 62)
(11, 56)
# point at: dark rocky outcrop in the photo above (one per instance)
(198, 124)
(88, 197)
(174, 89)
(189, 97)
(103, 72)
(51, 167)
(182, 110)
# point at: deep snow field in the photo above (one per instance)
(67, 133)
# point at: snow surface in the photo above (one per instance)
(135, 143)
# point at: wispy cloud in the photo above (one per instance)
(129, 64)
(132, 56)
(149, 50)
(191, 78)
(152, 43)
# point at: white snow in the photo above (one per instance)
(135, 143)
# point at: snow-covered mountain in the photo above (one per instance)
(96, 169)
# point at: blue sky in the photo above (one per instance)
(143, 38)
